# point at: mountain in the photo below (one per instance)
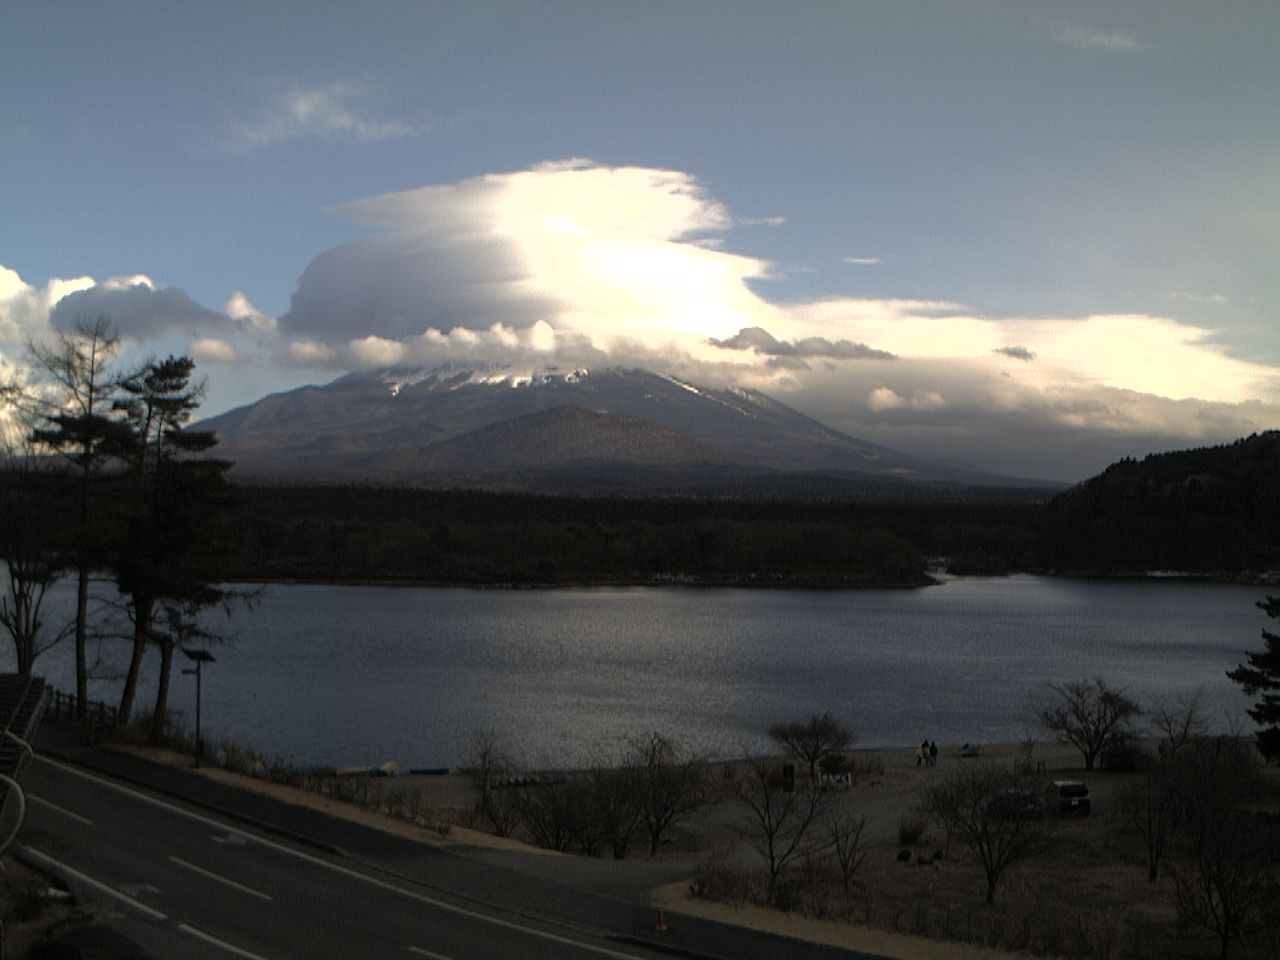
(591, 429)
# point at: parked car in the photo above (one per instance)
(1067, 798)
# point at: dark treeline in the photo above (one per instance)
(468, 537)
(1213, 511)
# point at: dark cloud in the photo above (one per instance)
(1018, 353)
(138, 310)
(401, 285)
(766, 344)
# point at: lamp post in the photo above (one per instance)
(199, 658)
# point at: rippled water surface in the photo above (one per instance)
(342, 675)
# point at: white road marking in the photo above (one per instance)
(214, 941)
(221, 879)
(347, 871)
(62, 810)
(428, 954)
(231, 839)
(55, 866)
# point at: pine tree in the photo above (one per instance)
(1262, 675)
(79, 425)
(164, 561)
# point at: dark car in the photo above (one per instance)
(1067, 798)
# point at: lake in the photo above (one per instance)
(361, 675)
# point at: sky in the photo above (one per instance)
(1031, 237)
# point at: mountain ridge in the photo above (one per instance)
(474, 425)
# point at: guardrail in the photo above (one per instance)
(65, 706)
(24, 701)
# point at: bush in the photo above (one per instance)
(870, 766)
(723, 882)
(911, 830)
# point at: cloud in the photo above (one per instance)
(611, 253)
(139, 309)
(1017, 353)
(764, 343)
(1215, 298)
(324, 113)
(761, 221)
(1083, 39)
(24, 309)
(882, 399)
(573, 264)
(210, 349)
(245, 314)
(310, 353)
(864, 261)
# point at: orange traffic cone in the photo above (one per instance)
(662, 924)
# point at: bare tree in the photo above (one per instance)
(1226, 874)
(1177, 719)
(780, 823)
(617, 795)
(33, 545)
(1151, 804)
(487, 758)
(550, 811)
(672, 783)
(939, 801)
(845, 828)
(490, 768)
(812, 740)
(973, 803)
(1088, 714)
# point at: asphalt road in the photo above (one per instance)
(233, 893)
(181, 881)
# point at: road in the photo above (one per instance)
(181, 881)
(227, 892)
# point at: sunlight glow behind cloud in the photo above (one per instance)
(573, 264)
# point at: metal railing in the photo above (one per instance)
(66, 706)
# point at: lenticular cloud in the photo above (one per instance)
(599, 254)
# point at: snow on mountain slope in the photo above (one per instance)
(474, 421)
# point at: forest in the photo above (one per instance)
(1213, 512)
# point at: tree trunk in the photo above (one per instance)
(162, 691)
(141, 632)
(82, 618)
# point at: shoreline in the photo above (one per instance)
(1248, 578)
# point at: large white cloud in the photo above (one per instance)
(573, 264)
(24, 309)
(627, 266)
(611, 253)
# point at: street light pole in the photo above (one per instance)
(200, 658)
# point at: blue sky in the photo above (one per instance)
(1036, 237)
